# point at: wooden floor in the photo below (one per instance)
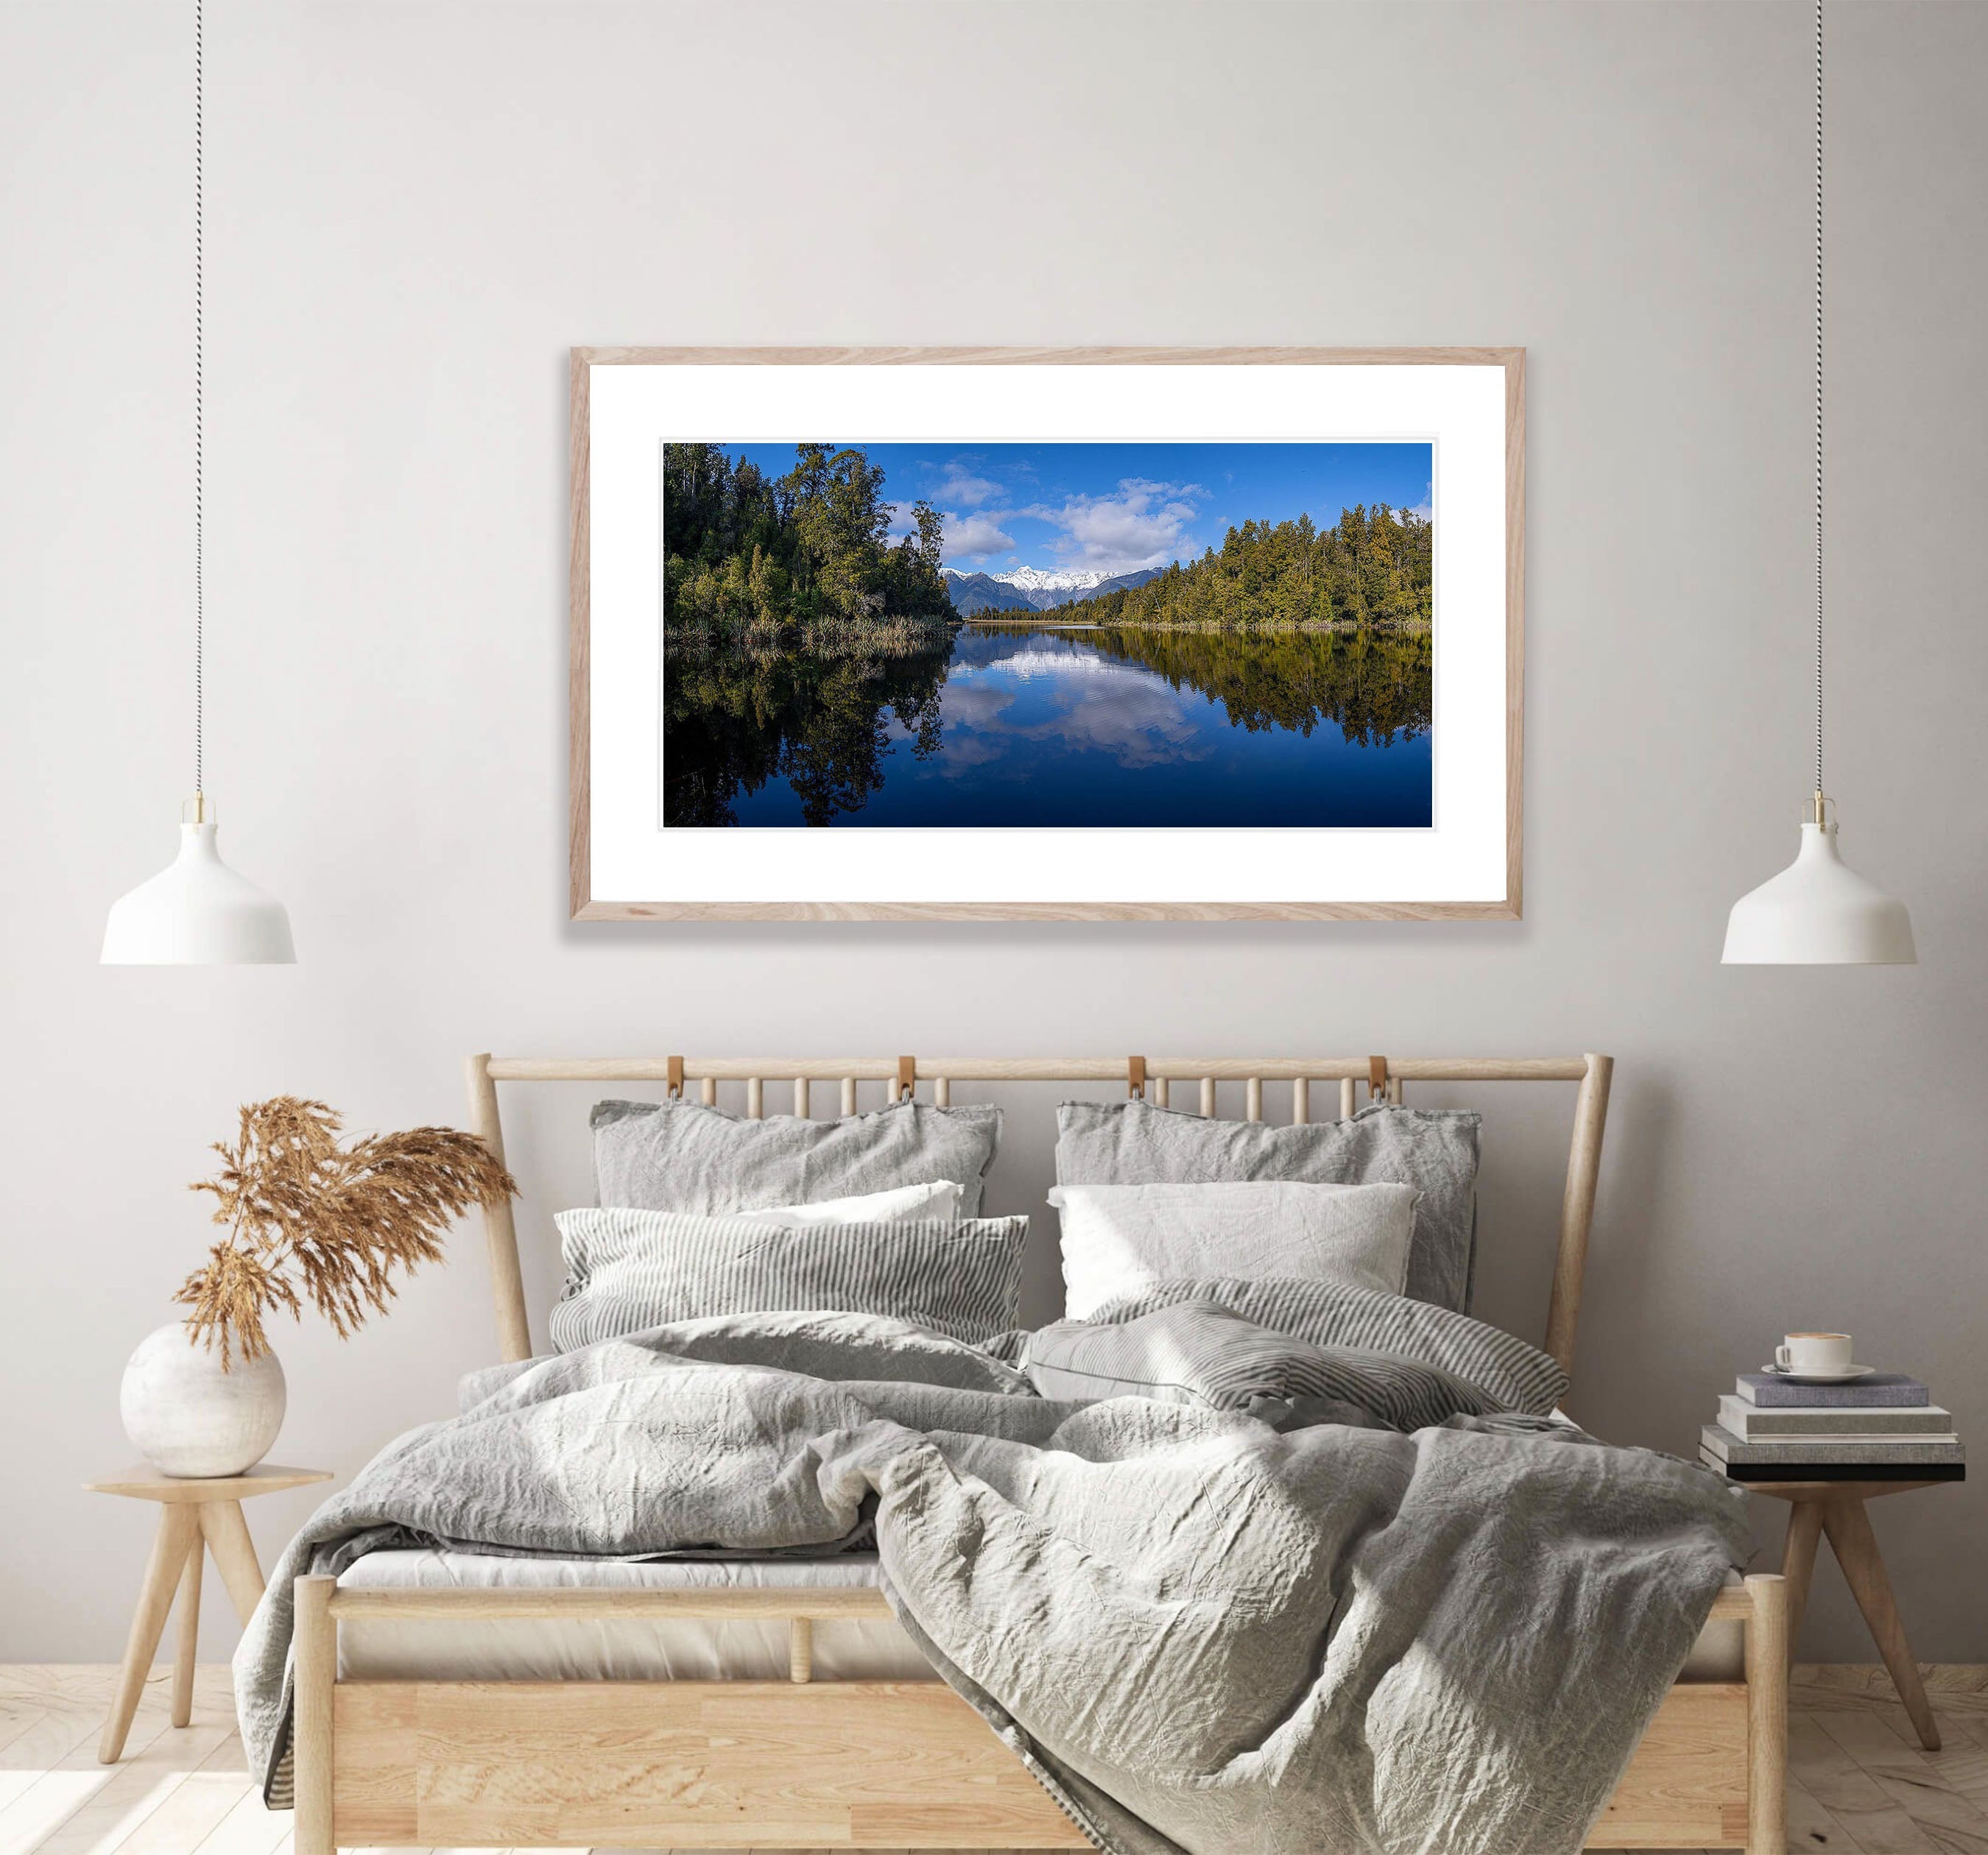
(1859, 1783)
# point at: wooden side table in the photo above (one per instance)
(195, 1518)
(1835, 1510)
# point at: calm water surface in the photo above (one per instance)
(1018, 726)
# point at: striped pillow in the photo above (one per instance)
(1196, 1353)
(1515, 1375)
(627, 1270)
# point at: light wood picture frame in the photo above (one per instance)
(640, 849)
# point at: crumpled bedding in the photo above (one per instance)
(1200, 1632)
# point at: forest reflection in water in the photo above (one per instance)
(1006, 724)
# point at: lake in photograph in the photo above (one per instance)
(1047, 636)
(1020, 725)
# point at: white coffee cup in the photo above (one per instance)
(1815, 1352)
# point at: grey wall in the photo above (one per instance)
(414, 208)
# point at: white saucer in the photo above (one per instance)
(1819, 1378)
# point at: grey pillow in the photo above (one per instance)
(629, 1270)
(682, 1156)
(1512, 1375)
(1197, 1352)
(1133, 1142)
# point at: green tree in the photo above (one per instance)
(1373, 568)
(743, 552)
(931, 533)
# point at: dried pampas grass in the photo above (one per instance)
(309, 1218)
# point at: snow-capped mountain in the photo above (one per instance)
(1031, 589)
(1033, 579)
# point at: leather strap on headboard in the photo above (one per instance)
(1376, 1077)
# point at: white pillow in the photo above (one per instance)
(1117, 1238)
(938, 1201)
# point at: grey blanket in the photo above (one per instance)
(1199, 1632)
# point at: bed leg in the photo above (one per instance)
(1767, 1716)
(316, 1669)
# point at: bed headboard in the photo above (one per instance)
(1150, 1077)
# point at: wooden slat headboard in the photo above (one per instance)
(1149, 1074)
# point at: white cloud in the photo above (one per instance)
(976, 536)
(966, 753)
(967, 704)
(1110, 707)
(1143, 525)
(1136, 719)
(959, 485)
(1146, 486)
(967, 536)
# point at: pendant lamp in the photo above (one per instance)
(1819, 912)
(196, 911)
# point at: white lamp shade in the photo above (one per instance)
(1819, 912)
(197, 912)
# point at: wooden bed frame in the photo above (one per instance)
(879, 1764)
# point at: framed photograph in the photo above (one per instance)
(1083, 634)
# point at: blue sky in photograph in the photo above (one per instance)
(1116, 509)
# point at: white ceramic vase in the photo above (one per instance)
(188, 1418)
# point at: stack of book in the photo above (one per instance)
(1881, 1427)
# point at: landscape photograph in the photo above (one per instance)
(1048, 635)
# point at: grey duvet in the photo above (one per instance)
(1199, 1631)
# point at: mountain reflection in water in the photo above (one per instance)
(1004, 726)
